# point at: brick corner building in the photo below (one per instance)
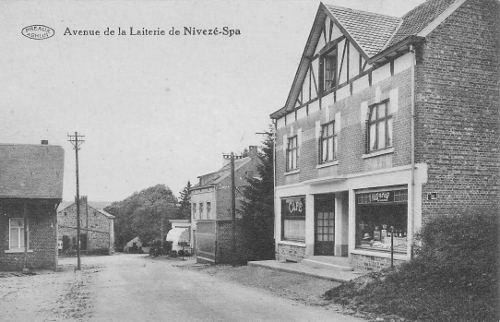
(389, 122)
(31, 183)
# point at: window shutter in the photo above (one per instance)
(285, 143)
(367, 137)
(299, 140)
(338, 124)
(363, 115)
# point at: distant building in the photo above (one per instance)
(390, 121)
(31, 185)
(97, 233)
(211, 216)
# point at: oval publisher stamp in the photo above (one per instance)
(38, 32)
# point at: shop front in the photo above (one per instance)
(379, 214)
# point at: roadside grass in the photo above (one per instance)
(453, 278)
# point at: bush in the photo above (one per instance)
(464, 249)
(452, 278)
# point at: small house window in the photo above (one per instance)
(292, 154)
(209, 208)
(194, 210)
(328, 70)
(379, 127)
(328, 143)
(16, 233)
(201, 209)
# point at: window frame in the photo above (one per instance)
(292, 153)
(323, 58)
(20, 235)
(334, 143)
(201, 210)
(388, 117)
(293, 217)
(209, 209)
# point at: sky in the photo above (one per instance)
(153, 109)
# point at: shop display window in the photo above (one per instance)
(377, 213)
(293, 219)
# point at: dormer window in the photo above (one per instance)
(328, 70)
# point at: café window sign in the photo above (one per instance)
(293, 206)
(391, 196)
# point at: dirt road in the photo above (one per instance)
(137, 288)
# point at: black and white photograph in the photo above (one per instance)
(260, 160)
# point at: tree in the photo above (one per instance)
(185, 202)
(143, 214)
(258, 207)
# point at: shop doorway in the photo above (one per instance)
(324, 225)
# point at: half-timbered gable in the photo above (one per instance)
(374, 101)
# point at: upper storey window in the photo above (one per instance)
(328, 65)
(328, 143)
(292, 154)
(379, 127)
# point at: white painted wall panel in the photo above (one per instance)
(314, 107)
(301, 113)
(280, 123)
(360, 84)
(402, 63)
(353, 61)
(344, 92)
(381, 73)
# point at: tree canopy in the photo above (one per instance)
(258, 207)
(184, 211)
(143, 214)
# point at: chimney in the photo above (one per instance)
(44, 142)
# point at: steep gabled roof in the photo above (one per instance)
(214, 178)
(418, 18)
(371, 31)
(31, 171)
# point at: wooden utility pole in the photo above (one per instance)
(233, 208)
(76, 140)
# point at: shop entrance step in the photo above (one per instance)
(328, 262)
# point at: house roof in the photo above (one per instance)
(216, 177)
(31, 171)
(371, 31)
(418, 18)
(101, 211)
(375, 35)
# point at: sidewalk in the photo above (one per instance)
(299, 268)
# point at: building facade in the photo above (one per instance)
(31, 183)
(389, 122)
(211, 215)
(97, 234)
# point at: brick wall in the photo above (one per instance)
(225, 242)
(352, 134)
(42, 235)
(371, 263)
(457, 103)
(92, 222)
(286, 252)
